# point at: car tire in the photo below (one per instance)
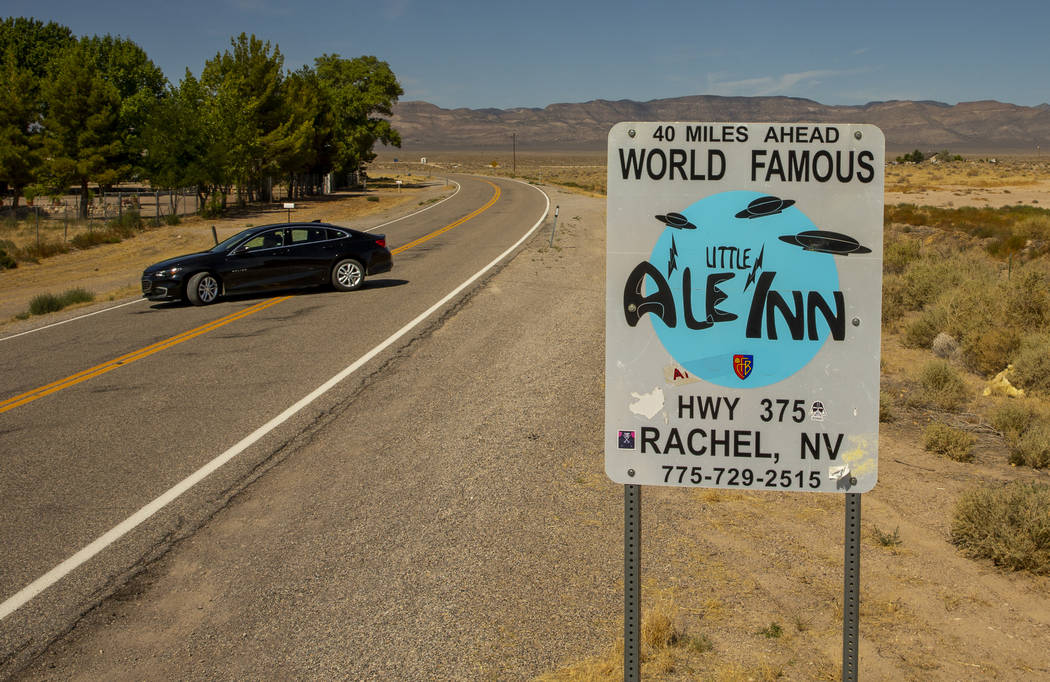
(202, 289)
(348, 275)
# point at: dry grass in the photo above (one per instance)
(971, 173)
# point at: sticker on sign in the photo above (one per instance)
(743, 305)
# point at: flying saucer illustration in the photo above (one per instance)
(765, 206)
(677, 221)
(822, 241)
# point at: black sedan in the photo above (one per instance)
(286, 256)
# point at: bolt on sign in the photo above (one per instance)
(743, 305)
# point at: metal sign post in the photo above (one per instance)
(743, 314)
(632, 582)
(851, 589)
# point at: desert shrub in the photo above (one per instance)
(45, 249)
(892, 297)
(948, 441)
(1036, 228)
(990, 352)
(976, 316)
(49, 303)
(924, 281)
(128, 221)
(1008, 524)
(1013, 238)
(899, 254)
(85, 240)
(1026, 430)
(172, 219)
(77, 295)
(1026, 299)
(6, 261)
(1031, 369)
(940, 386)
(1013, 418)
(886, 408)
(1009, 227)
(1006, 245)
(887, 539)
(41, 304)
(1032, 448)
(906, 214)
(920, 332)
(658, 628)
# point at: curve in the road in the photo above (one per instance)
(126, 359)
(27, 593)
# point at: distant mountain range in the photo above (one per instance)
(968, 127)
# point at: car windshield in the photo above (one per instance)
(227, 244)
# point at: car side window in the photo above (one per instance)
(266, 240)
(299, 235)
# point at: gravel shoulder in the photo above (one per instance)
(452, 520)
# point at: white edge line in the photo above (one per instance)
(27, 593)
(391, 222)
(72, 319)
(140, 300)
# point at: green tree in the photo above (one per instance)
(28, 48)
(19, 139)
(248, 109)
(359, 92)
(139, 83)
(81, 127)
(35, 45)
(312, 155)
(177, 140)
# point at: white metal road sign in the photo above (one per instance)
(743, 305)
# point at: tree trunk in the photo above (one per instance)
(84, 200)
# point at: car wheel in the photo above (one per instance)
(202, 288)
(348, 274)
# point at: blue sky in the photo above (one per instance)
(535, 53)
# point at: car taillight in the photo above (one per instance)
(381, 242)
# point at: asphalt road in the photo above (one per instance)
(78, 461)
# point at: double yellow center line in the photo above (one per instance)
(128, 358)
(131, 357)
(446, 228)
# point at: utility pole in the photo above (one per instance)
(514, 153)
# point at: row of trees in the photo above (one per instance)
(79, 111)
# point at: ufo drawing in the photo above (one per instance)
(822, 241)
(677, 221)
(765, 206)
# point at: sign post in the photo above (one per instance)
(743, 310)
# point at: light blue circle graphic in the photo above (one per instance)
(744, 255)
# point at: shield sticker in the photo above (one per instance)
(742, 365)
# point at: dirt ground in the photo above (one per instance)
(752, 582)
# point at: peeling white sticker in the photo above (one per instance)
(648, 404)
(838, 473)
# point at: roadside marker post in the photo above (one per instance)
(743, 321)
(632, 582)
(554, 226)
